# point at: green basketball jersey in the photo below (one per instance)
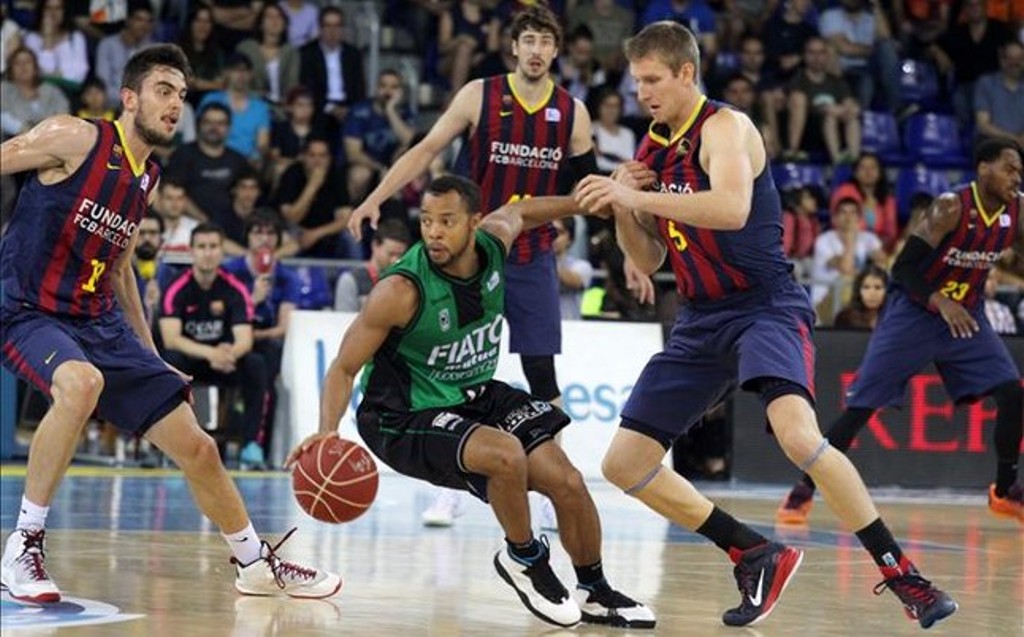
(450, 348)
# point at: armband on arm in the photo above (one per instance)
(907, 271)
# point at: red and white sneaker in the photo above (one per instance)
(270, 575)
(22, 568)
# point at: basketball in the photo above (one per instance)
(335, 480)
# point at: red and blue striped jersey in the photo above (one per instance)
(713, 264)
(64, 238)
(960, 264)
(517, 151)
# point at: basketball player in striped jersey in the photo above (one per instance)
(716, 214)
(525, 137)
(73, 323)
(935, 314)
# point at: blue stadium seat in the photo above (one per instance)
(919, 83)
(315, 292)
(881, 135)
(790, 175)
(914, 180)
(935, 140)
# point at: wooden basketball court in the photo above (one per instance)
(129, 546)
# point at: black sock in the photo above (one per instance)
(589, 575)
(728, 534)
(527, 553)
(877, 539)
(808, 482)
(842, 432)
(1007, 434)
(1006, 475)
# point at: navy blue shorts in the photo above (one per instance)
(139, 389)
(908, 337)
(531, 307)
(715, 347)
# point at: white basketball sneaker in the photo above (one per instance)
(447, 506)
(270, 575)
(538, 588)
(22, 568)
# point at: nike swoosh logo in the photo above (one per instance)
(755, 599)
(111, 166)
(50, 357)
(504, 113)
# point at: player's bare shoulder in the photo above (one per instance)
(729, 129)
(466, 104)
(55, 147)
(393, 302)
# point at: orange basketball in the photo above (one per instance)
(335, 480)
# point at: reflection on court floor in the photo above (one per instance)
(131, 543)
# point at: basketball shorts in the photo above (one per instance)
(429, 444)
(715, 347)
(138, 387)
(908, 337)
(531, 307)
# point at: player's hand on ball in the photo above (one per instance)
(305, 445)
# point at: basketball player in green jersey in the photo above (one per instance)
(431, 409)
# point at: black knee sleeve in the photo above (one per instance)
(1009, 426)
(771, 388)
(842, 432)
(540, 374)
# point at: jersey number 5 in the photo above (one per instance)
(97, 271)
(954, 290)
(678, 238)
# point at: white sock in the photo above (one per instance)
(245, 545)
(32, 516)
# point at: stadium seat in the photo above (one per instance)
(791, 175)
(914, 180)
(881, 135)
(315, 292)
(934, 140)
(919, 83)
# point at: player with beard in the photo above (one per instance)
(74, 327)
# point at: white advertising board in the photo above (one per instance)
(597, 368)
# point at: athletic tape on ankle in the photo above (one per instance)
(814, 457)
(644, 482)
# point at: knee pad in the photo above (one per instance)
(540, 374)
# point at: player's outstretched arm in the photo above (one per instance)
(57, 143)
(507, 222)
(391, 304)
(414, 162)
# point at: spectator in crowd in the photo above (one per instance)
(785, 35)
(744, 17)
(869, 185)
(467, 32)
(235, 20)
(998, 313)
(497, 62)
(275, 291)
(868, 55)
(613, 142)
(275, 61)
(26, 99)
(113, 51)
(178, 227)
(145, 262)
(249, 134)
(302, 21)
(968, 50)
(10, 37)
(289, 137)
(93, 99)
(206, 327)
(245, 195)
(920, 24)
(312, 196)
(999, 97)
(611, 24)
(839, 254)
(60, 48)
(819, 102)
(740, 91)
(1009, 11)
(203, 53)
(332, 69)
(861, 313)
(696, 15)
(800, 227)
(207, 167)
(375, 131)
(574, 274)
(577, 71)
(390, 241)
